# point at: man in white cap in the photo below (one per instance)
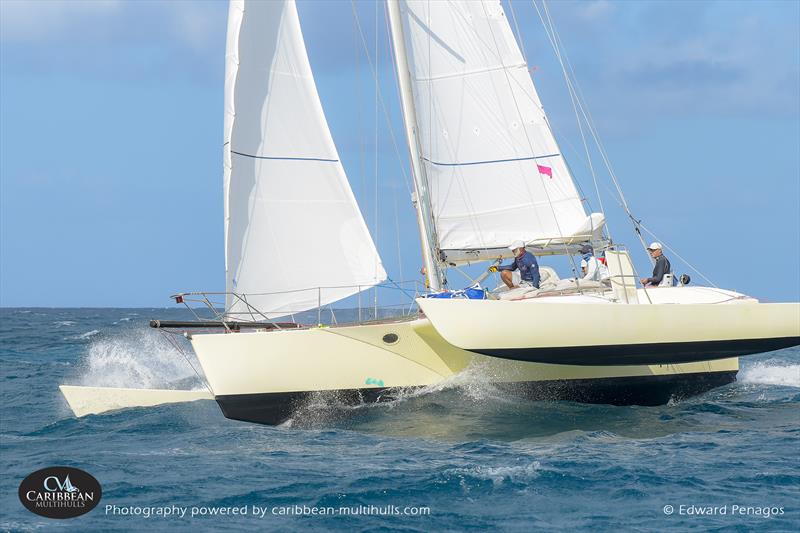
(525, 262)
(662, 266)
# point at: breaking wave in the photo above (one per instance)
(84, 336)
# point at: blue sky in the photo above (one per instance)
(111, 133)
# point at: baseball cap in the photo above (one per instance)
(654, 246)
(516, 244)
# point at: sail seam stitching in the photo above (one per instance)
(466, 73)
(488, 162)
(281, 158)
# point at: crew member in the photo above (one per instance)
(595, 270)
(662, 266)
(525, 262)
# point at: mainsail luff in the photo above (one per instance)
(422, 197)
(295, 238)
(495, 171)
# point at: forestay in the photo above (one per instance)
(494, 169)
(291, 221)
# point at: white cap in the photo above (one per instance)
(654, 246)
(584, 264)
(516, 244)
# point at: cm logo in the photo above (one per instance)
(60, 492)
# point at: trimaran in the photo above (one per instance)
(475, 130)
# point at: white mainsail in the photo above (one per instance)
(494, 170)
(291, 220)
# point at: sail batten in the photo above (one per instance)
(494, 168)
(295, 238)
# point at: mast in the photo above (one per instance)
(421, 197)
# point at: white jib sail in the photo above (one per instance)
(494, 169)
(291, 221)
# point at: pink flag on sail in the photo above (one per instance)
(547, 171)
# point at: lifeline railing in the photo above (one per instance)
(241, 312)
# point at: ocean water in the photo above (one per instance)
(460, 456)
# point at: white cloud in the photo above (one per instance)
(591, 11)
(196, 23)
(34, 20)
(193, 24)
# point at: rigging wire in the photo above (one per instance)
(573, 97)
(421, 204)
(519, 33)
(530, 144)
(572, 81)
(550, 31)
(521, 43)
(397, 232)
(495, 50)
(380, 96)
(579, 104)
(677, 255)
(555, 41)
(359, 118)
(460, 183)
(584, 196)
(376, 149)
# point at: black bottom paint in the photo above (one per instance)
(274, 408)
(642, 354)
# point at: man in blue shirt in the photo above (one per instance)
(525, 262)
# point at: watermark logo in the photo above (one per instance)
(734, 510)
(60, 492)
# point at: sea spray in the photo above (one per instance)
(771, 372)
(138, 358)
(473, 385)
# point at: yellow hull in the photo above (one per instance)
(95, 400)
(259, 376)
(577, 331)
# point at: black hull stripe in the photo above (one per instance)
(642, 354)
(274, 408)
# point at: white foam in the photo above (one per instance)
(138, 358)
(500, 474)
(767, 373)
(61, 323)
(84, 336)
(475, 382)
